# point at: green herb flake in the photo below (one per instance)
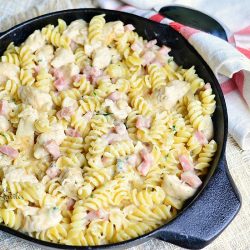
(94, 93)
(174, 128)
(170, 59)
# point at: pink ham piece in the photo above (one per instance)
(53, 172)
(129, 27)
(56, 73)
(137, 46)
(9, 151)
(185, 163)
(121, 129)
(105, 160)
(92, 74)
(147, 161)
(70, 204)
(201, 137)
(72, 132)
(73, 45)
(3, 107)
(151, 44)
(164, 50)
(191, 179)
(98, 214)
(120, 135)
(60, 84)
(77, 77)
(114, 96)
(52, 147)
(148, 58)
(88, 115)
(207, 86)
(143, 122)
(65, 113)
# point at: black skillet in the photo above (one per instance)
(217, 202)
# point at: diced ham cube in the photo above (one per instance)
(151, 43)
(121, 129)
(191, 179)
(57, 73)
(92, 74)
(73, 45)
(129, 27)
(148, 58)
(137, 46)
(98, 214)
(65, 113)
(52, 147)
(9, 151)
(72, 132)
(70, 204)
(114, 96)
(60, 84)
(207, 86)
(164, 50)
(185, 163)
(147, 161)
(53, 172)
(3, 107)
(201, 137)
(88, 116)
(143, 122)
(77, 77)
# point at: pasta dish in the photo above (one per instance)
(103, 137)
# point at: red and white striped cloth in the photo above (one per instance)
(229, 62)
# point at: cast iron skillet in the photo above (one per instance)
(217, 202)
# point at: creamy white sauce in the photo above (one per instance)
(14, 174)
(41, 219)
(9, 71)
(38, 99)
(35, 41)
(77, 31)
(62, 57)
(71, 180)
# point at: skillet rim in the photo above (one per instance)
(220, 95)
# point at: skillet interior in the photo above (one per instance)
(183, 53)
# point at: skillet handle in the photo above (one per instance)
(208, 216)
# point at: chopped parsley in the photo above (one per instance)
(174, 128)
(170, 59)
(94, 93)
(105, 114)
